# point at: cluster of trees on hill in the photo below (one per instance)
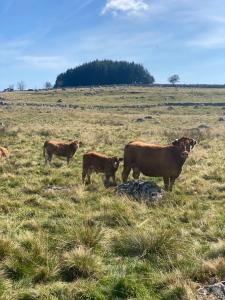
(105, 72)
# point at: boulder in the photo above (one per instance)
(141, 190)
(217, 290)
(221, 119)
(139, 120)
(203, 126)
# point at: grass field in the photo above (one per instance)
(61, 240)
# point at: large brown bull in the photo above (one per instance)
(156, 160)
(60, 149)
(100, 163)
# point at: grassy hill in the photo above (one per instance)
(61, 240)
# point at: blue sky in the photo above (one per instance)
(41, 38)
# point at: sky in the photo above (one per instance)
(41, 38)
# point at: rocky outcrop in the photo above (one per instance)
(141, 190)
(216, 290)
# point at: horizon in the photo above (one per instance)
(41, 40)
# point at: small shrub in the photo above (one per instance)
(221, 269)
(87, 235)
(58, 290)
(176, 293)
(126, 288)
(5, 247)
(91, 295)
(4, 283)
(204, 272)
(80, 263)
(217, 251)
(29, 295)
(149, 244)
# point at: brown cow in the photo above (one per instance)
(100, 163)
(4, 152)
(156, 160)
(60, 149)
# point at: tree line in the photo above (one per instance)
(105, 72)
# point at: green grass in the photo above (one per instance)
(62, 240)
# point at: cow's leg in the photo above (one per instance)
(84, 173)
(107, 177)
(50, 157)
(46, 159)
(114, 179)
(88, 176)
(166, 183)
(46, 156)
(172, 180)
(125, 173)
(136, 173)
(68, 159)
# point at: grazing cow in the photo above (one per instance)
(4, 152)
(60, 149)
(100, 163)
(156, 160)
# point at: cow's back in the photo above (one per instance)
(57, 148)
(150, 159)
(95, 161)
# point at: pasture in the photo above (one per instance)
(62, 240)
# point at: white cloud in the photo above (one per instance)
(45, 62)
(127, 6)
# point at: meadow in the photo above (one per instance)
(62, 240)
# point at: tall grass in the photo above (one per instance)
(63, 240)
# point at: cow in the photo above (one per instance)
(157, 160)
(100, 163)
(60, 149)
(4, 152)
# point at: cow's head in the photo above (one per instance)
(75, 145)
(184, 145)
(116, 162)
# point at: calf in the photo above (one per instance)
(100, 163)
(156, 160)
(4, 152)
(60, 149)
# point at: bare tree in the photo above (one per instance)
(174, 79)
(21, 85)
(47, 85)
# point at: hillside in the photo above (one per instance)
(62, 240)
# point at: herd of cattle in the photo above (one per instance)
(148, 159)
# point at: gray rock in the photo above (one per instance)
(217, 290)
(139, 120)
(141, 190)
(203, 126)
(221, 119)
(55, 188)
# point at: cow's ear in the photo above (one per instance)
(120, 159)
(175, 143)
(115, 164)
